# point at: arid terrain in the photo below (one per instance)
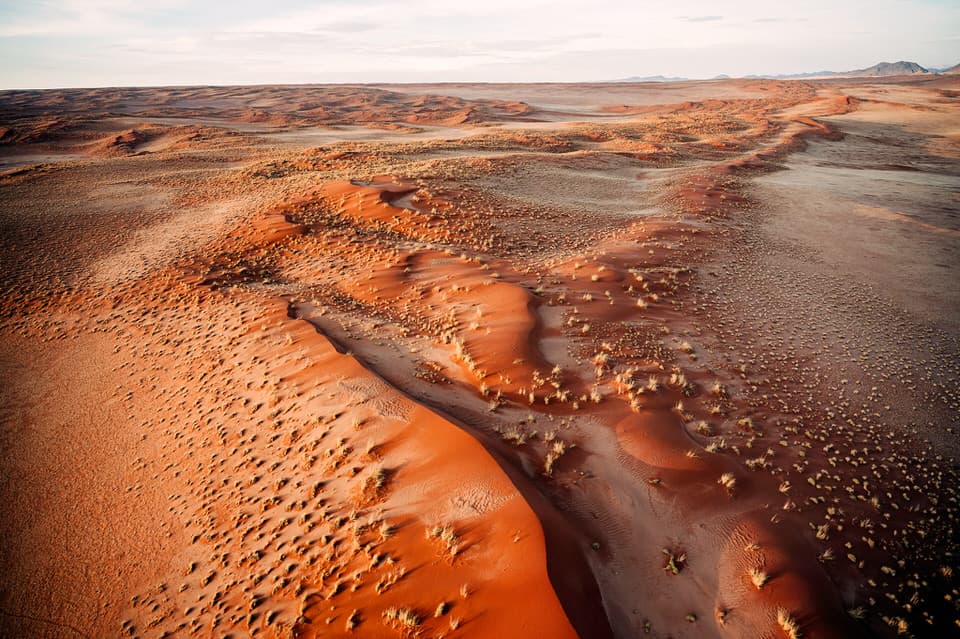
(516, 361)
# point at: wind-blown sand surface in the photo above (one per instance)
(667, 360)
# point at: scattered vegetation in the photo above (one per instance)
(728, 481)
(674, 562)
(403, 618)
(758, 577)
(789, 625)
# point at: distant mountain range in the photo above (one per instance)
(882, 69)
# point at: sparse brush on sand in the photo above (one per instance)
(428, 360)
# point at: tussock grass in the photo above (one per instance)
(759, 577)
(404, 618)
(789, 625)
(728, 481)
(352, 620)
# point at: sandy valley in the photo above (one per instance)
(604, 360)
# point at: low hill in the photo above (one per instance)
(886, 69)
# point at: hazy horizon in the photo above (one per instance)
(89, 43)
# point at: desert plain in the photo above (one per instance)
(547, 360)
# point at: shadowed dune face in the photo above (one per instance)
(479, 361)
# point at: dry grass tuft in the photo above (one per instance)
(404, 618)
(728, 481)
(674, 562)
(556, 451)
(721, 614)
(789, 625)
(353, 620)
(759, 577)
(448, 536)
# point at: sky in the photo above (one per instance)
(86, 43)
